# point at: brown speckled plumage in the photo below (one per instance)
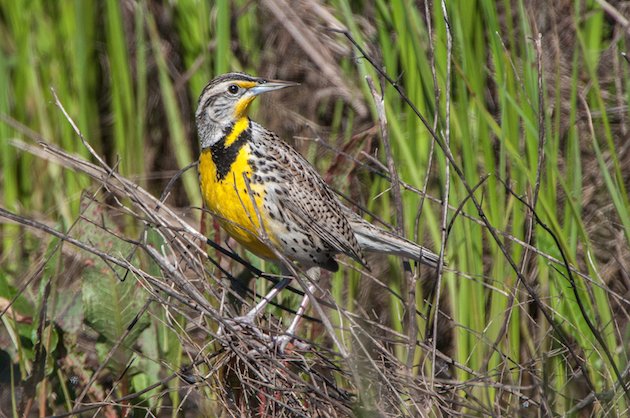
(302, 210)
(301, 215)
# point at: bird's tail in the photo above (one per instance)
(378, 240)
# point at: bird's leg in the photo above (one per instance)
(249, 317)
(300, 311)
(260, 306)
(282, 341)
(313, 276)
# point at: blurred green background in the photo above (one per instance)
(129, 73)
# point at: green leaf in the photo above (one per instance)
(148, 366)
(69, 311)
(110, 304)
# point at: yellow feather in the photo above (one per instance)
(246, 84)
(230, 201)
(240, 125)
(240, 110)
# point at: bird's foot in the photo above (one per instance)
(278, 345)
(261, 342)
(281, 342)
(241, 324)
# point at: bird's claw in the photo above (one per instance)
(263, 342)
(278, 345)
(281, 342)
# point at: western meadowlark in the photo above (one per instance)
(256, 184)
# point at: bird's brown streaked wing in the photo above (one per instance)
(312, 204)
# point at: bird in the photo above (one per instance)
(269, 198)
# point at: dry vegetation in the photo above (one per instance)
(111, 299)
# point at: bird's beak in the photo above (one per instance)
(271, 85)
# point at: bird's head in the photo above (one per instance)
(226, 99)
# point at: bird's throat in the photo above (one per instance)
(240, 110)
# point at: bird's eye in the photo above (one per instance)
(233, 89)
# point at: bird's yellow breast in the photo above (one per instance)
(222, 174)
